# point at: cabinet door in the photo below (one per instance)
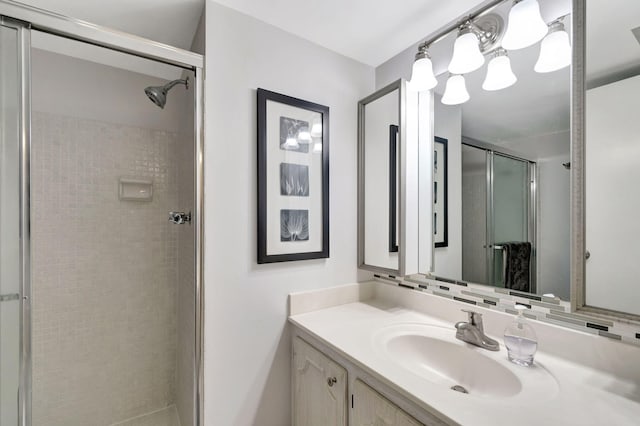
(372, 409)
(319, 388)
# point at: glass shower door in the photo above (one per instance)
(9, 224)
(510, 206)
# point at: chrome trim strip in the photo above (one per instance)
(76, 29)
(577, 157)
(401, 214)
(24, 396)
(199, 248)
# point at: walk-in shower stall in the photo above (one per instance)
(498, 206)
(100, 226)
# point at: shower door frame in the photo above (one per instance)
(25, 18)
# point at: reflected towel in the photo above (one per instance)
(516, 260)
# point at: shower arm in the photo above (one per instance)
(170, 85)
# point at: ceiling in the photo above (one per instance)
(368, 31)
(173, 22)
(352, 28)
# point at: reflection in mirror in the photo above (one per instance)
(612, 155)
(380, 118)
(507, 123)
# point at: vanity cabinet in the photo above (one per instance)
(319, 388)
(328, 390)
(372, 409)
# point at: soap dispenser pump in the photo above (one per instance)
(521, 340)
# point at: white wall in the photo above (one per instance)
(247, 341)
(612, 148)
(553, 227)
(448, 125)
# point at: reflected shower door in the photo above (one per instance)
(9, 225)
(474, 214)
(510, 207)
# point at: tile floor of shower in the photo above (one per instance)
(165, 417)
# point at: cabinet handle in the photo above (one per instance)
(331, 381)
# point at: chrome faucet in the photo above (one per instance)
(473, 332)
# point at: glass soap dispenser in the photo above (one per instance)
(521, 340)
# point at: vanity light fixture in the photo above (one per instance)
(455, 92)
(555, 49)
(499, 73)
(422, 76)
(525, 27)
(467, 56)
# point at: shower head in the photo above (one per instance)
(158, 94)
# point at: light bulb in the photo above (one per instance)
(455, 92)
(316, 130)
(466, 54)
(304, 136)
(555, 50)
(291, 143)
(422, 77)
(525, 26)
(499, 73)
(317, 147)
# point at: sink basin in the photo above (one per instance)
(433, 353)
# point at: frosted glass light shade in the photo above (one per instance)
(422, 77)
(499, 74)
(455, 92)
(304, 136)
(291, 143)
(526, 26)
(555, 52)
(316, 130)
(466, 54)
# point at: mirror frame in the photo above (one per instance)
(578, 223)
(407, 211)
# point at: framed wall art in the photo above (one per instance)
(293, 178)
(440, 201)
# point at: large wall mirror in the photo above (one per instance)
(611, 157)
(508, 144)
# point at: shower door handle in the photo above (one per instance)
(179, 218)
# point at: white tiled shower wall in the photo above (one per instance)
(104, 272)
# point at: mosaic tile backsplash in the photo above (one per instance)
(104, 279)
(541, 308)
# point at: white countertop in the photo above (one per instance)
(582, 396)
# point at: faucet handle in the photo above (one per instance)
(474, 317)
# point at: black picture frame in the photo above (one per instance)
(393, 188)
(440, 193)
(300, 174)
